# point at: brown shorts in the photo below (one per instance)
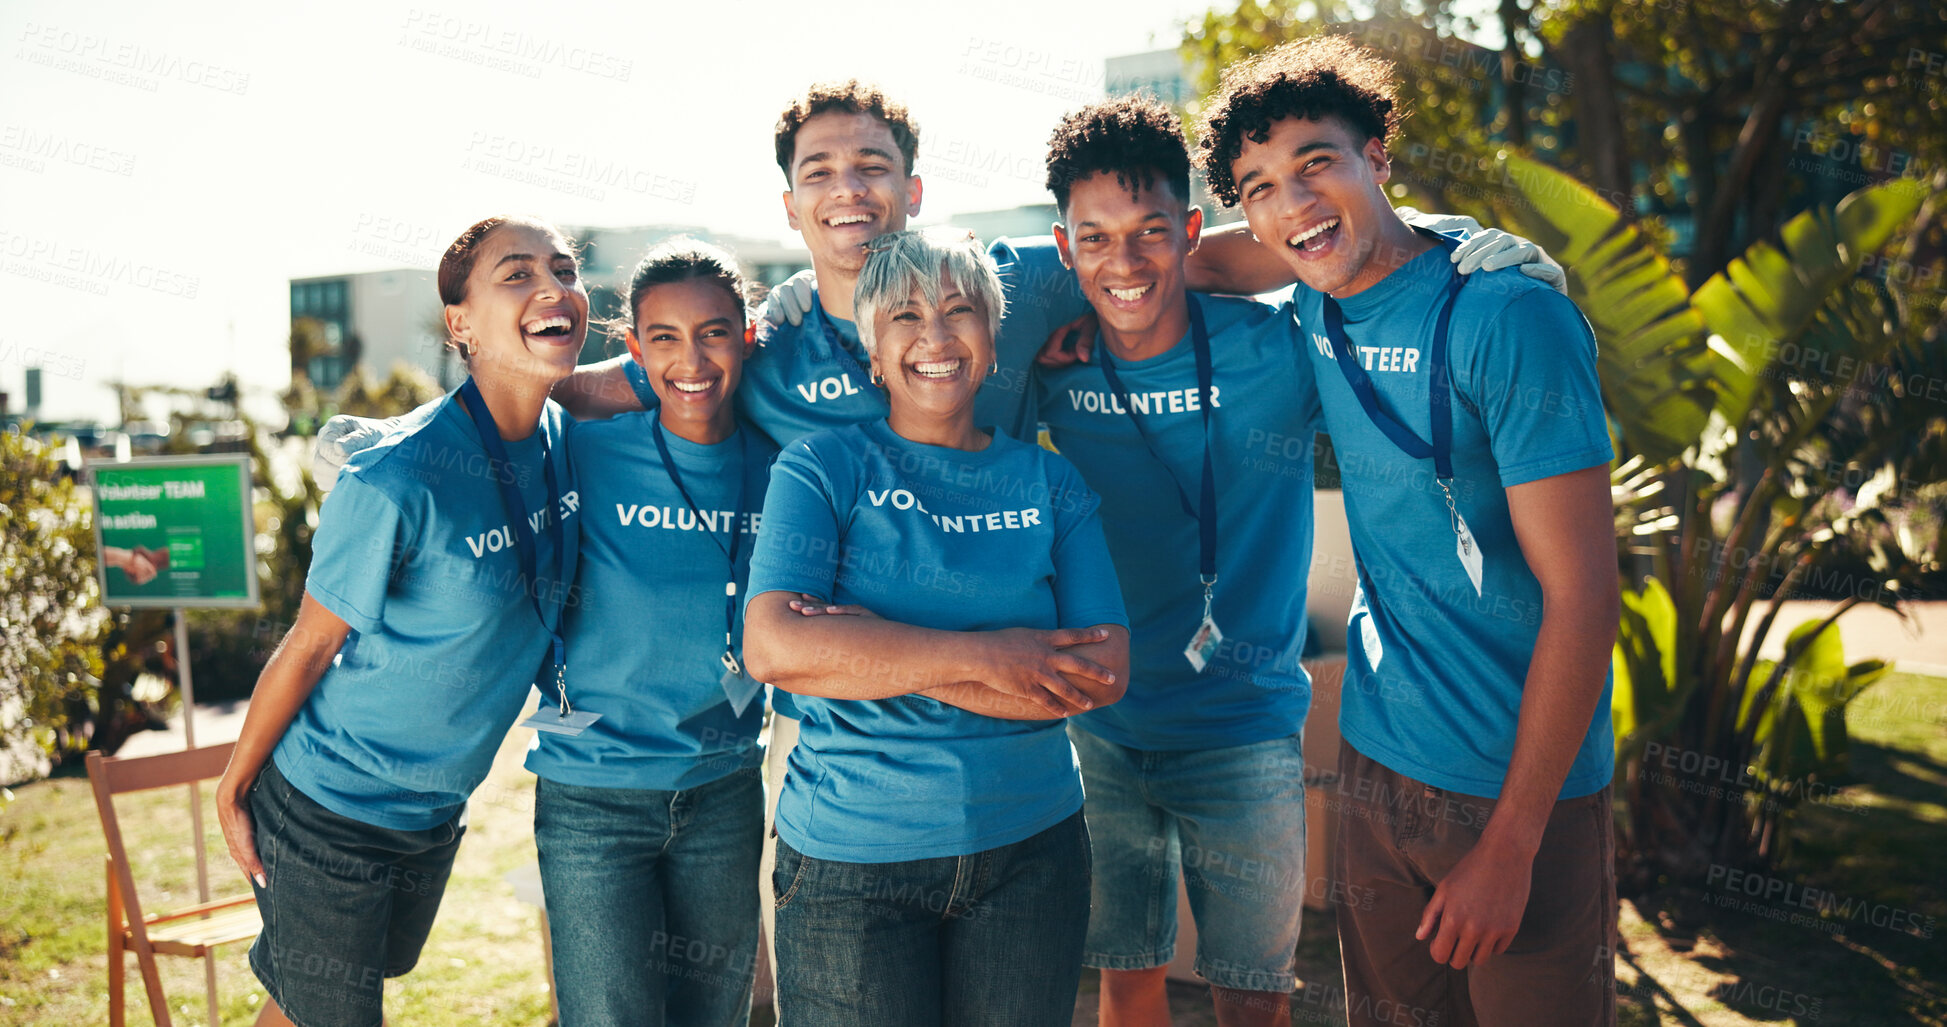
(1398, 838)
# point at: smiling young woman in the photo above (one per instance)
(437, 582)
(650, 824)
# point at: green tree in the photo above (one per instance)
(1711, 121)
(403, 389)
(51, 627)
(1798, 446)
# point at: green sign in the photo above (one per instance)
(176, 531)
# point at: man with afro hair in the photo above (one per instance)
(1475, 453)
(1198, 771)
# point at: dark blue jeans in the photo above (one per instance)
(993, 939)
(652, 900)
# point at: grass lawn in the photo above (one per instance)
(1712, 955)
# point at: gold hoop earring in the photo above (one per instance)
(994, 370)
(878, 379)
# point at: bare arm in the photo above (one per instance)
(1112, 653)
(1564, 526)
(841, 657)
(1229, 260)
(288, 678)
(594, 392)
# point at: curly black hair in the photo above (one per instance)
(1135, 136)
(1315, 77)
(852, 97)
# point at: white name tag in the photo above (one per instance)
(1468, 550)
(549, 718)
(738, 686)
(1203, 645)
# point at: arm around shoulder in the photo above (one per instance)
(596, 391)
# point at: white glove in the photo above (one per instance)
(340, 437)
(1490, 249)
(791, 300)
(1441, 224)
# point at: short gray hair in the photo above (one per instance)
(920, 260)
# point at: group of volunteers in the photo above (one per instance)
(1015, 691)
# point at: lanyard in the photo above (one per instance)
(736, 533)
(1439, 388)
(515, 508)
(1205, 511)
(836, 342)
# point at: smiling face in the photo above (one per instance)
(524, 314)
(932, 357)
(849, 185)
(1127, 250)
(689, 338)
(1311, 192)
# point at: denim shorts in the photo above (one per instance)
(1231, 821)
(993, 939)
(652, 899)
(347, 904)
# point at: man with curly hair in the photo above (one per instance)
(1198, 771)
(1469, 426)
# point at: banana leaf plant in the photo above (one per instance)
(1768, 447)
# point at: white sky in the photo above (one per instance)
(166, 168)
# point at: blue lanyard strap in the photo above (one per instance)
(736, 525)
(836, 342)
(1205, 511)
(1439, 388)
(524, 544)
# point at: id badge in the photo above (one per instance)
(1468, 550)
(738, 686)
(1203, 645)
(550, 719)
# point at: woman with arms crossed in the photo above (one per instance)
(932, 860)
(437, 580)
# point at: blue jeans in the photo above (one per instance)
(652, 899)
(348, 904)
(1232, 822)
(993, 939)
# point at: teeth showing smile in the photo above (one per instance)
(936, 368)
(849, 219)
(1130, 295)
(693, 386)
(1300, 239)
(549, 326)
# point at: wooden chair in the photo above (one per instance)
(192, 931)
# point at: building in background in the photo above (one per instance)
(1162, 73)
(375, 320)
(1167, 76)
(1012, 223)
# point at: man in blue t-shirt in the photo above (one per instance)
(1199, 768)
(1475, 468)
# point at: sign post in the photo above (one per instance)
(178, 532)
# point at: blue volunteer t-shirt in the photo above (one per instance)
(416, 552)
(808, 377)
(1435, 672)
(939, 538)
(1261, 429)
(646, 638)
(1041, 295)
